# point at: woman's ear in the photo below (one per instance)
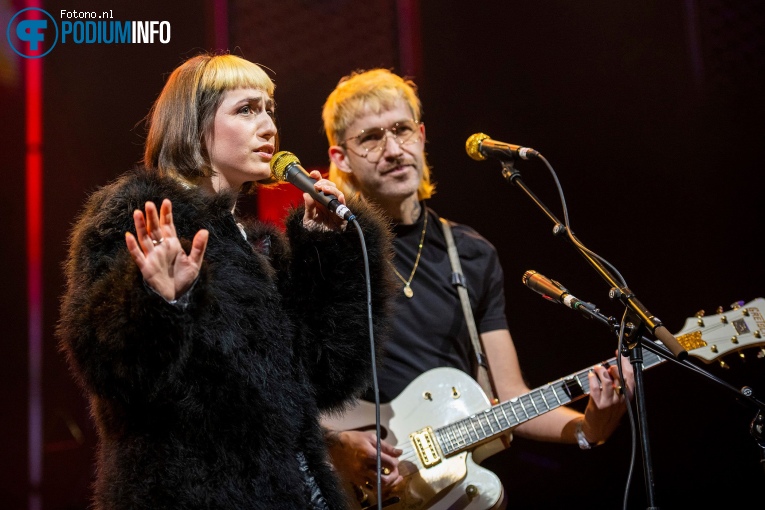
(339, 157)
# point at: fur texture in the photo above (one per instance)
(208, 406)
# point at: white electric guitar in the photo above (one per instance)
(446, 425)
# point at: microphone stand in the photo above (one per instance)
(745, 394)
(636, 317)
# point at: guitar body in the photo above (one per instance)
(436, 398)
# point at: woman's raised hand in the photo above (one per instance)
(158, 253)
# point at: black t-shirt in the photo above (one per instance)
(429, 329)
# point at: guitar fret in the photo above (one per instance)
(518, 406)
(504, 424)
(510, 405)
(502, 408)
(554, 392)
(491, 420)
(527, 399)
(498, 419)
(584, 385)
(451, 437)
(561, 395)
(445, 439)
(539, 398)
(542, 394)
(523, 407)
(481, 419)
(467, 430)
(459, 437)
(530, 399)
(475, 430)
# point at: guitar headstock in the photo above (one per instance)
(708, 337)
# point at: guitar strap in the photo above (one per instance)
(458, 280)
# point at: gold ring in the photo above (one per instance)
(385, 470)
(157, 243)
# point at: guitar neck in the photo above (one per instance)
(485, 426)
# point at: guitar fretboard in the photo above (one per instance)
(468, 432)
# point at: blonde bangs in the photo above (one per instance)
(365, 92)
(227, 72)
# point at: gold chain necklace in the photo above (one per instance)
(408, 292)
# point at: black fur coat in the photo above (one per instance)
(210, 406)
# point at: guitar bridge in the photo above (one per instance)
(425, 446)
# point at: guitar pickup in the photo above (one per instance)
(425, 446)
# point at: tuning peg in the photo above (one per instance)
(736, 305)
(761, 353)
(724, 365)
(700, 313)
(719, 309)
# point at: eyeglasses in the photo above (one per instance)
(371, 142)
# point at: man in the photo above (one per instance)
(377, 149)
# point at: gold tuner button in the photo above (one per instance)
(719, 309)
(734, 339)
(735, 306)
(757, 334)
(745, 312)
(714, 348)
(700, 313)
(700, 322)
(723, 319)
(724, 365)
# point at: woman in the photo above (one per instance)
(208, 344)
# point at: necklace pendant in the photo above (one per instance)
(408, 292)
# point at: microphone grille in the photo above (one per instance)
(279, 163)
(473, 146)
(527, 276)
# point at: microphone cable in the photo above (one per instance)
(373, 358)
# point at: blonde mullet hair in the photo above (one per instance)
(358, 94)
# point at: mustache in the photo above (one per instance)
(395, 164)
